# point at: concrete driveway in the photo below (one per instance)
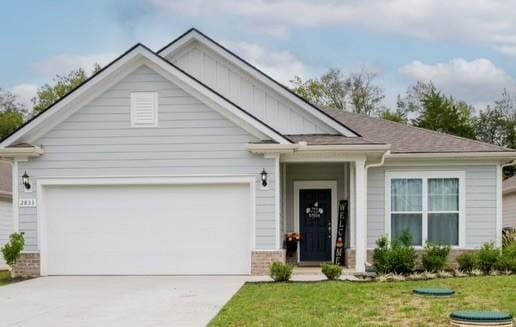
(116, 301)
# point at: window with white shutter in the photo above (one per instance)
(144, 109)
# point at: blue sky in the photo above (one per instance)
(467, 47)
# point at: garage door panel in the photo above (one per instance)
(181, 229)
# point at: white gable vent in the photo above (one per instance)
(144, 109)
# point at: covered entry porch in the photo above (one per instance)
(323, 199)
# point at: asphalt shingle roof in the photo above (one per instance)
(408, 139)
(509, 185)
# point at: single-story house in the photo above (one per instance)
(190, 160)
(6, 207)
(509, 203)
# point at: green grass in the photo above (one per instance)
(363, 304)
(4, 277)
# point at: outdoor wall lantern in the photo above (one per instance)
(26, 181)
(264, 178)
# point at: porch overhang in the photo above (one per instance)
(21, 151)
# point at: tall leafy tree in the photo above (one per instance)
(356, 92)
(12, 113)
(49, 94)
(443, 114)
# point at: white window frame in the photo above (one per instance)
(155, 109)
(425, 176)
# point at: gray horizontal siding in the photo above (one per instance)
(480, 202)
(191, 139)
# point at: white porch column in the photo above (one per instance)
(360, 216)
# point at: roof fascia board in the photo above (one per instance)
(455, 155)
(256, 73)
(134, 55)
(279, 148)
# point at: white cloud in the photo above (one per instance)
(24, 93)
(281, 65)
(477, 81)
(64, 63)
(485, 22)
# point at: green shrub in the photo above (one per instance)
(281, 272)
(467, 262)
(507, 261)
(487, 257)
(12, 250)
(331, 272)
(397, 258)
(434, 257)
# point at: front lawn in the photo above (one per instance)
(4, 277)
(363, 304)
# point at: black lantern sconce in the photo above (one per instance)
(264, 178)
(26, 181)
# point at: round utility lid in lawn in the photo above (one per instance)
(434, 291)
(486, 318)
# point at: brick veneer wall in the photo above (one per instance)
(452, 257)
(261, 261)
(28, 265)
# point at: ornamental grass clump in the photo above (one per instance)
(281, 272)
(331, 272)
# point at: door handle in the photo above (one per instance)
(329, 230)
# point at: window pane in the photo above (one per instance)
(411, 222)
(406, 195)
(443, 194)
(443, 228)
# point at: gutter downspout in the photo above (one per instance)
(373, 165)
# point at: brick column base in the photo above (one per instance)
(27, 265)
(261, 261)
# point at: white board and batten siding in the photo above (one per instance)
(247, 92)
(480, 201)
(509, 210)
(190, 139)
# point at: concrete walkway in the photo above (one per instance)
(116, 301)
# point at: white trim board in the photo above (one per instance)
(425, 175)
(310, 185)
(194, 35)
(137, 180)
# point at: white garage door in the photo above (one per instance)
(179, 229)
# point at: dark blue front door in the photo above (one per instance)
(315, 224)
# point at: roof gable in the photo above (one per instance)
(117, 70)
(249, 87)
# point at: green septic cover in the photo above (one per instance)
(434, 291)
(484, 316)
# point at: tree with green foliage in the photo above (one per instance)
(497, 124)
(48, 94)
(443, 114)
(356, 92)
(12, 113)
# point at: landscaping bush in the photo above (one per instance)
(467, 262)
(281, 272)
(508, 237)
(487, 258)
(331, 272)
(397, 258)
(507, 261)
(434, 258)
(12, 250)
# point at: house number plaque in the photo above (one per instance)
(27, 203)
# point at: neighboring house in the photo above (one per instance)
(6, 208)
(509, 203)
(191, 161)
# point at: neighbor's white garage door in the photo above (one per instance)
(179, 229)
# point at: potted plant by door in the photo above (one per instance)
(291, 240)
